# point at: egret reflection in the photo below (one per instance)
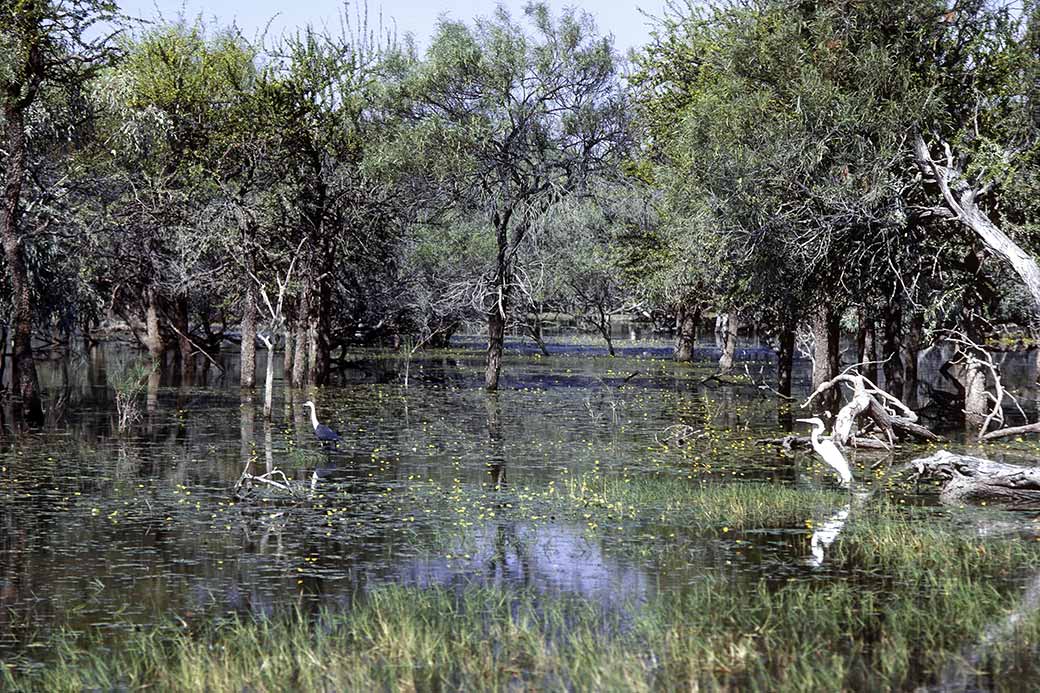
(825, 534)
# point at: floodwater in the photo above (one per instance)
(434, 484)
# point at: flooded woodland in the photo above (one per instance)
(693, 348)
(557, 533)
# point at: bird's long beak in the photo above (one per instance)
(804, 420)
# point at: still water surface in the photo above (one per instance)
(436, 483)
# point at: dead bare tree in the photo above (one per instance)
(275, 319)
(888, 414)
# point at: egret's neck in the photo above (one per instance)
(314, 417)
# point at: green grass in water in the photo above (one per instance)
(919, 597)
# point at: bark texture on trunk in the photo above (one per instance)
(500, 306)
(301, 340)
(24, 379)
(825, 353)
(153, 340)
(287, 354)
(977, 480)
(686, 332)
(729, 342)
(322, 361)
(184, 345)
(914, 341)
(893, 351)
(248, 351)
(496, 343)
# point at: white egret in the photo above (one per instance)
(322, 432)
(828, 451)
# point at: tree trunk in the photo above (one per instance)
(604, 329)
(322, 361)
(249, 311)
(893, 351)
(184, 345)
(960, 198)
(870, 352)
(269, 382)
(302, 340)
(496, 343)
(976, 399)
(785, 361)
(825, 353)
(287, 354)
(534, 328)
(977, 480)
(24, 379)
(499, 310)
(729, 342)
(153, 335)
(686, 328)
(915, 338)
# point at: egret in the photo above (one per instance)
(827, 450)
(322, 432)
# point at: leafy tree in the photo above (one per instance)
(43, 45)
(525, 118)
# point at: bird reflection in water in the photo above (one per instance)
(824, 535)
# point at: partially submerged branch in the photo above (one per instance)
(977, 480)
(887, 413)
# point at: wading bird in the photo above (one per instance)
(827, 450)
(322, 432)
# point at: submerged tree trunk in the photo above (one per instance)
(500, 305)
(24, 379)
(184, 346)
(893, 350)
(729, 342)
(249, 314)
(496, 343)
(825, 353)
(785, 361)
(605, 328)
(686, 321)
(914, 341)
(153, 335)
(302, 340)
(977, 480)
(534, 328)
(322, 351)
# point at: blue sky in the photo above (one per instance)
(622, 19)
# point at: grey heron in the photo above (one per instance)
(828, 451)
(322, 432)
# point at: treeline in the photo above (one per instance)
(809, 167)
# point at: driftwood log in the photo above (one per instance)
(792, 442)
(976, 480)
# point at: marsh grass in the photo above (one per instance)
(913, 594)
(715, 635)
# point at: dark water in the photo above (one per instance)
(433, 485)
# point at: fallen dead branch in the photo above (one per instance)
(678, 434)
(970, 479)
(798, 442)
(275, 478)
(888, 414)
